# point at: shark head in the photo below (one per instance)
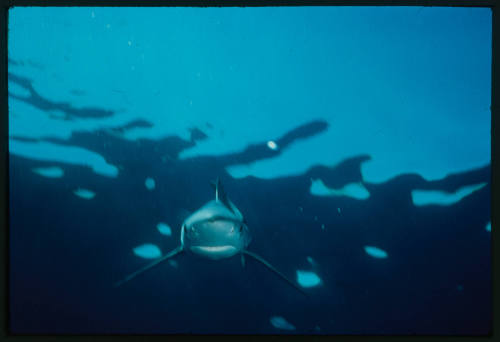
(217, 230)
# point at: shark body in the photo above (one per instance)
(216, 231)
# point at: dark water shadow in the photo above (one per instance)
(44, 104)
(68, 251)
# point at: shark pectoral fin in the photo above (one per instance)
(243, 260)
(154, 263)
(268, 265)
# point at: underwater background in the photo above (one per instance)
(355, 141)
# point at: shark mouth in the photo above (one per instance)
(215, 252)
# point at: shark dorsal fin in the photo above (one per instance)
(220, 194)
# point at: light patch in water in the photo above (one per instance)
(376, 252)
(150, 183)
(430, 197)
(272, 145)
(281, 323)
(307, 278)
(56, 114)
(84, 193)
(45, 151)
(173, 263)
(164, 228)
(50, 172)
(147, 251)
(401, 143)
(353, 190)
(488, 227)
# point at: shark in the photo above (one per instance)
(215, 231)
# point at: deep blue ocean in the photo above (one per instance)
(355, 141)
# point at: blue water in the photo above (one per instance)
(354, 140)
